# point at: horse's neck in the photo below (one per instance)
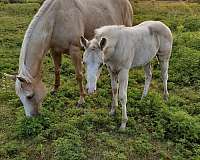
(37, 42)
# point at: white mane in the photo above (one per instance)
(23, 71)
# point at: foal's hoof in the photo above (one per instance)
(166, 97)
(112, 113)
(143, 97)
(122, 127)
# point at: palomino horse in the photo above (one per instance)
(122, 48)
(58, 26)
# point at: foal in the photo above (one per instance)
(122, 48)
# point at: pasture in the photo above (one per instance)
(155, 129)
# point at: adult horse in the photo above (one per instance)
(58, 25)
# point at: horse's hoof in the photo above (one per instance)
(78, 105)
(53, 92)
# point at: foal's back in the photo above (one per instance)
(136, 46)
(151, 38)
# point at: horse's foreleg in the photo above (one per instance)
(114, 85)
(148, 77)
(123, 84)
(57, 58)
(77, 61)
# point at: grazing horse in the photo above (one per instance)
(58, 26)
(122, 48)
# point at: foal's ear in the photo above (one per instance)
(103, 43)
(84, 42)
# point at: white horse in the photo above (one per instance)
(122, 48)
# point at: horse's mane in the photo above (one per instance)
(23, 71)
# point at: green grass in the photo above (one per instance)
(155, 129)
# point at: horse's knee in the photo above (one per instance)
(122, 98)
(57, 71)
(79, 77)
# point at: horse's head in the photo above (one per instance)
(31, 94)
(93, 58)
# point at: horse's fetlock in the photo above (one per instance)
(79, 77)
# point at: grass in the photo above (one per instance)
(156, 130)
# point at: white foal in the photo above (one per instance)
(122, 48)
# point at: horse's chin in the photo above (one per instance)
(33, 114)
(31, 109)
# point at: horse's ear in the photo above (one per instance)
(84, 42)
(103, 43)
(21, 79)
(9, 76)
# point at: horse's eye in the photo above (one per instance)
(30, 96)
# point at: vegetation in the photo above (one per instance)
(156, 130)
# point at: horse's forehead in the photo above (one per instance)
(93, 43)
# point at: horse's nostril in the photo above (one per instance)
(30, 96)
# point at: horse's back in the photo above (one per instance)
(82, 17)
(106, 12)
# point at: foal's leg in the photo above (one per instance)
(164, 64)
(114, 85)
(123, 84)
(77, 61)
(148, 77)
(57, 58)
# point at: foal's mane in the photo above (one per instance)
(23, 71)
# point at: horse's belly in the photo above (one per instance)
(144, 57)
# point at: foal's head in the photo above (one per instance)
(93, 58)
(31, 94)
